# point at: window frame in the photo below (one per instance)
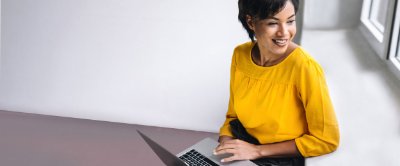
(369, 10)
(378, 41)
(394, 48)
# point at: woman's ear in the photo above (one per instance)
(250, 22)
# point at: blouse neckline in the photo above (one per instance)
(268, 67)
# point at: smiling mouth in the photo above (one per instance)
(280, 42)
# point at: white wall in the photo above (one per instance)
(162, 63)
(332, 14)
(0, 37)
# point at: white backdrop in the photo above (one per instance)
(159, 62)
(332, 14)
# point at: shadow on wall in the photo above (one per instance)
(333, 14)
(370, 63)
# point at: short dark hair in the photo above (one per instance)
(261, 9)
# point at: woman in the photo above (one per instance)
(278, 94)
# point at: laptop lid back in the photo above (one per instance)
(166, 157)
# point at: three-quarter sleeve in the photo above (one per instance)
(323, 131)
(231, 114)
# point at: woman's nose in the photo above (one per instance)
(283, 30)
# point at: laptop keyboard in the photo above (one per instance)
(194, 158)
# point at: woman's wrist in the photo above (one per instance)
(258, 151)
(262, 151)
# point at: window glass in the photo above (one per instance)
(377, 14)
(394, 49)
(398, 50)
(383, 7)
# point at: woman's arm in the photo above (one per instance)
(242, 150)
(323, 130)
(280, 149)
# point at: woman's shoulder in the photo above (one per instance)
(242, 52)
(304, 59)
(244, 47)
(306, 63)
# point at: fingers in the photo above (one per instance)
(231, 146)
(232, 142)
(239, 149)
(229, 159)
(228, 150)
(235, 155)
(221, 148)
(225, 151)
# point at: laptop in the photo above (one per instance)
(199, 154)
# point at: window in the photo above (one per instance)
(376, 23)
(378, 14)
(394, 49)
(373, 16)
(380, 24)
(398, 52)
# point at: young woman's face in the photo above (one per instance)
(275, 33)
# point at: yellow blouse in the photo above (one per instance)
(289, 100)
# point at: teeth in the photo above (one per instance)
(280, 41)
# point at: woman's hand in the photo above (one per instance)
(239, 149)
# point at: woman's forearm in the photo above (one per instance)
(242, 150)
(280, 149)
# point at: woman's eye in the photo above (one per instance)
(291, 21)
(272, 23)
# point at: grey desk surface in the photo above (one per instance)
(38, 140)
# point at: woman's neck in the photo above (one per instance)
(263, 58)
